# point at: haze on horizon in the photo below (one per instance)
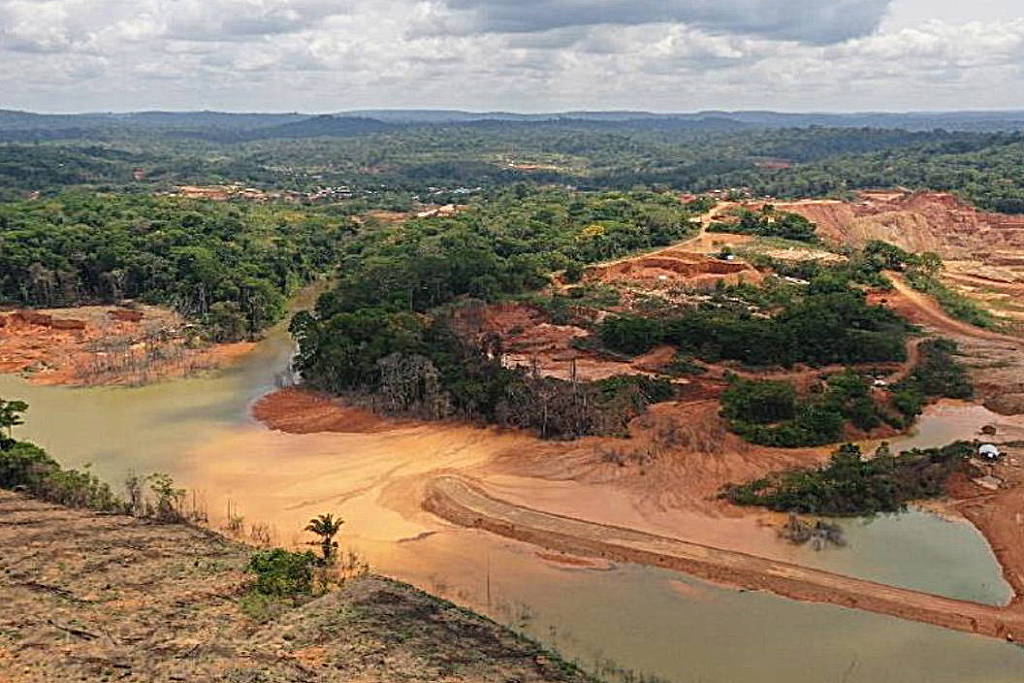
(513, 55)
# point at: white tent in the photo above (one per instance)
(989, 452)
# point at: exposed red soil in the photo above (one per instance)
(98, 345)
(1000, 518)
(995, 360)
(984, 257)
(921, 309)
(983, 251)
(674, 267)
(678, 456)
(921, 221)
(573, 561)
(299, 411)
(676, 460)
(527, 340)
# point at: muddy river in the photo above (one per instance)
(642, 619)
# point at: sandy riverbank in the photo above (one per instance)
(663, 493)
(462, 503)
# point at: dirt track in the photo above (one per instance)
(928, 312)
(459, 502)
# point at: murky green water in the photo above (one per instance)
(645, 619)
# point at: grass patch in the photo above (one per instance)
(937, 375)
(955, 304)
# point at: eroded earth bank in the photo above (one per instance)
(653, 498)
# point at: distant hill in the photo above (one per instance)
(203, 119)
(236, 127)
(962, 120)
(28, 126)
(323, 126)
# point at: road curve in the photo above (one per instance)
(458, 501)
(932, 315)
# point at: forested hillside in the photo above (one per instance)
(986, 170)
(387, 165)
(229, 266)
(369, 336)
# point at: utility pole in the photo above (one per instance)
(488, 581)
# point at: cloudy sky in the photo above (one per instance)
(521, 55)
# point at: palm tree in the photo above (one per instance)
(326, 527)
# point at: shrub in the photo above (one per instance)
(282, 573)
(24, 464)
(769, 413)
(631, 334)
(759, 402)
(574, 271)
(850, 485)
(770, 223)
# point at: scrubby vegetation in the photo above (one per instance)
(281, 573)
(851, 485)
(826, 324)
(922, 272)
(404, 364)
(772, 414)
(956, 305)
(768, 222)
(937, 375)
(230, 266)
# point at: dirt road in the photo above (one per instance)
(927, 312)
(705, 220)
(804, 376)
(462, 503)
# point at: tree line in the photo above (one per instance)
(229, 266)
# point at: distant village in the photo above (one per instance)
(323, 194)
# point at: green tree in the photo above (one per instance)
(11, 416)
(326, 527)
(282, 573)
(631, 334)
(759, 402)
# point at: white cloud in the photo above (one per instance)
(811, 21)
(61, 55)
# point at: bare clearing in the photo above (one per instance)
(92, 597)
(983, 251)
(99, 345)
